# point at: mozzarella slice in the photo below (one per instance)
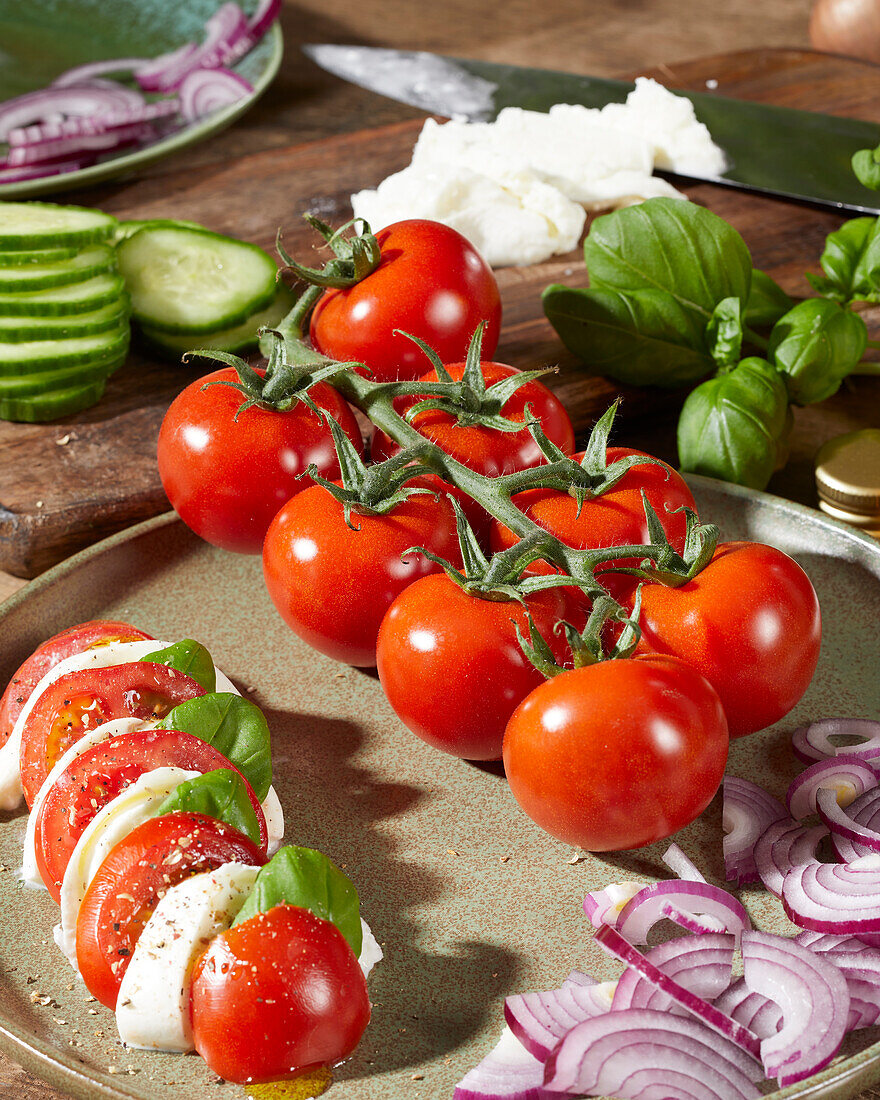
(115, 821)
(117, 653)
(29, 873)
(152, 1012)
(371, 952)
(274, 815)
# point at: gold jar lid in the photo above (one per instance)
(848, 475)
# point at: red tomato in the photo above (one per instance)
(134, 877)
(227, 472)
(80, 701)
(102, 772)
(750, 622)
(332, 585)
(617, 518)
(452, 667)
(431, 282)
(277, 994)
(617, 754)
(75, 639)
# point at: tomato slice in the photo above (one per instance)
(134, 877)
(75, 639)
(80, 701)
(276, 995)
(101, 773)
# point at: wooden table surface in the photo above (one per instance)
(591, 36)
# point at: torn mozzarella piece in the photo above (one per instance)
(274, 816)
(522, 221)
(116, 653)
(371, 952)
(110, 825)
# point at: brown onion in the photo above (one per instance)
(849, 27)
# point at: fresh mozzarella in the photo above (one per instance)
(371, 952)
(29, 873)
(152, 1012)
(274, 816)
(113, 823)
(116, 653)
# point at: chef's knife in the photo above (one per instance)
(777, 150)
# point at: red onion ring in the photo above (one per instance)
(748, 810)
(51, 168)
(823, 942)
(813, 742)
(81, 126)
(640, 915)
(681, 865)
(845, 774)
(206, 90)
(222, 31)
(702, 965)
(540, 1020)
(842, 825)
(755, 1011)
(834, 897)
(783, 846)
(508, 1072)
(43, 151)
(48, 103)
(84, 74)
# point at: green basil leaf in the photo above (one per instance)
(724, 332)
(188, 657)
(643, 338)
(731, 426)
(304, 877)
(816, 345)
(234, 726)
(866, 165)
(220, 794)
(670, 245)
(851, 262)
(767, 301)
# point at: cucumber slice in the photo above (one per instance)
(239, 338)
(124, 230)
(48, 355)
(39, 256)
(15, 330)
(46, 225)
(50, 406)
(64, 300)
(28, 385)
(84, 265)
(193, 281)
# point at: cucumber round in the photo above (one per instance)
(28, 385)
(37, 256)
(193, 281)
(239, 338)
(64, 300)
(84, 265)
(127, 229)
(49, 355)
(33, 225)
(41, 407)
(15, 330)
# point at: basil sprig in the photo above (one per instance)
(305, 877)
(234, 726)
(220, 794)
(190, 658)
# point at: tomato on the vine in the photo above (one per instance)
(227, 471)
(750, 622)
(616, 518)
(617, 754)
(332, 584)
(431, 283)
(293, 979)
(452, 667)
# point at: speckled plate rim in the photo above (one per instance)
(859, 1071)
(180, 139)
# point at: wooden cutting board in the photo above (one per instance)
(67, 484)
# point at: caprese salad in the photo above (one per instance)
(154, 825)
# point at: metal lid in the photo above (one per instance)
(848, 472)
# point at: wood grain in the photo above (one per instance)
(67, 484)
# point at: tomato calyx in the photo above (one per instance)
(587, 646)
(354, 256)
(370, 490)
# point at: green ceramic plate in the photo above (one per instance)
(38, 41)
(470, 900)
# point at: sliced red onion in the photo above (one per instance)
(814, 999)
(864, 811)
(150, 76)
(265, 14)
(748, 810)
(207, 90)
(49, 103)
(813, 742)
(81, 126)
(604, 906)
(36, 171)
(843, 826)
(755, 1011)
(540, 1020)
(823, 942)
(610, 940)
(681, 865)
(508, 1072)
(835, 897)
(647, 1055)
(700, 926)
(845, 774)
(41, 152)
(701, 965)
(223, 30)
(699, 898)
(83, 74)
(783, 846)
